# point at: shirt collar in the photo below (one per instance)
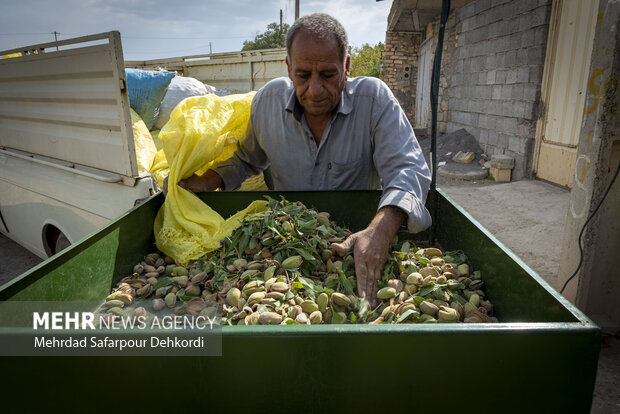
(344, 106)
(293, 106)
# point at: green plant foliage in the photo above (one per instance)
(367, 60)
(272, 38)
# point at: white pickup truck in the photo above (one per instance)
(67, 157)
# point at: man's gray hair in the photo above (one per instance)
(320, 26)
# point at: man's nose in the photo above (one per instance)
(315, 86)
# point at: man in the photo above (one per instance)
(318, 130)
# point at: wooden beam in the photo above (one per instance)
(397, 7)
(415, 19)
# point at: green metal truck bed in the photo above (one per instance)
(542, 356)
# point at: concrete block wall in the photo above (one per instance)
(495, 74)
(401, 68)
(449, 43)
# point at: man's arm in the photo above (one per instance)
(370, 248)
(405, 178)
(249, 158)
(209, 181)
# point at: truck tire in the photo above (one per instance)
(61, 243)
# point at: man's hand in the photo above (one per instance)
(209, 181)
(370, 248)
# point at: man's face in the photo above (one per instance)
(318, 73)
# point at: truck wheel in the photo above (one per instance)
(61, 243)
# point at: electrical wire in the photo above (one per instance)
(24, 34)
(131, 37)
(436, 71)
(584, 228)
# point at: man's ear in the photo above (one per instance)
(347, 65)
(288, 68)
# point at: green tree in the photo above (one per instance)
(272, 38)
(367, 60)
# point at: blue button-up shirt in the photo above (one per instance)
(367, 144)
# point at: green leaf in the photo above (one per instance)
(307, 227)
(456, 257)
(423, 260)
(346, 283)
(457, 297)
(316, 240)
(163, 282)
(438, 292)
(304, 254)
(292, 322)
(418, 299)
(292, 209)
(427, 290)
(183, 297)
(274, 230)
(308, 285)
(321, 288)
(364, 308)
(405, 247)
(270, 202)
(220, 274)
(234, 241)
(243, 243)
(278, 257)
(333, 284)
(406, 315)
(297, 285)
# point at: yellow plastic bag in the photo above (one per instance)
(11, 55)
(160, 169)
(201, 131)
(155, 135)
(145, 147)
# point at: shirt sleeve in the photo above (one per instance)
(399, 161)
(249, 158)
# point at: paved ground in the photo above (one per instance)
(527, 216)
(15, 259)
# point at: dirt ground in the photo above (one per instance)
(527, 216)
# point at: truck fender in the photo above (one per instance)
(55, 237)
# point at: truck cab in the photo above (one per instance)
(67, 157)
